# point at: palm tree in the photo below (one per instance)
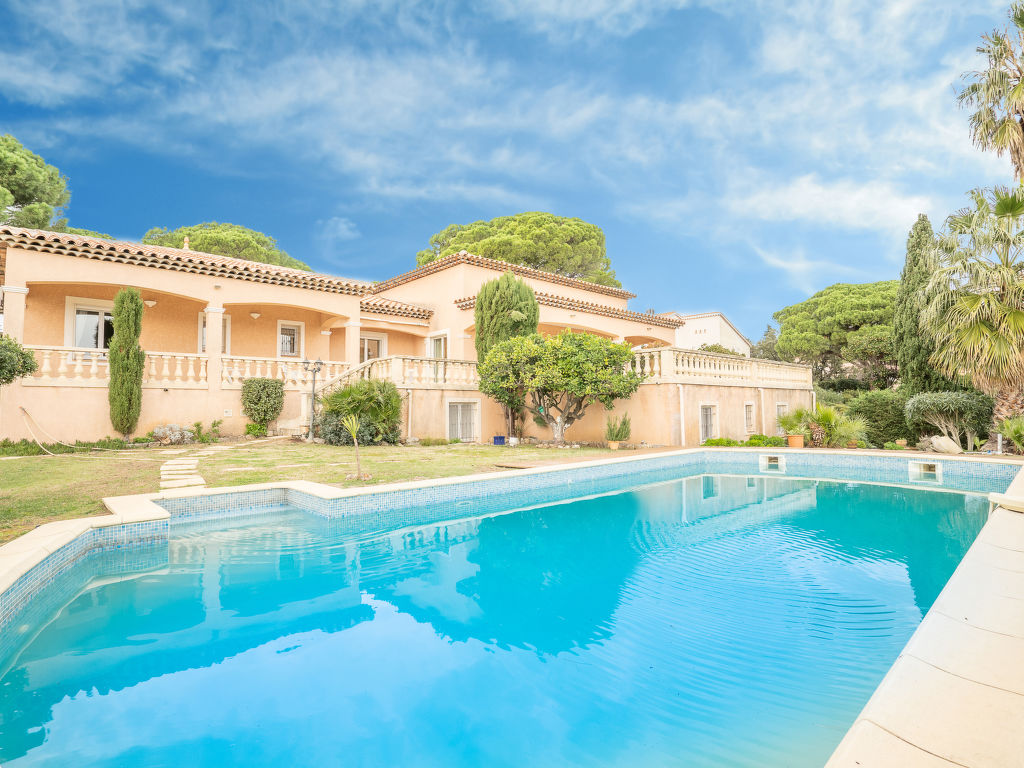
(975, 299)
(996, 93)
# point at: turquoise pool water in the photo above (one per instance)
(707, 621)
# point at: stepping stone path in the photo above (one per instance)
(180, 473)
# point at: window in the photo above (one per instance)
(225, 341)
(93, 328)
(709, 486)
(748, 417)
(437, 347)
(289, 339)
(781, 409)
(462, 421)
(707, 422)
(372, 346)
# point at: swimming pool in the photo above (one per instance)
(710, 613)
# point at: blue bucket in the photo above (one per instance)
(499, 439)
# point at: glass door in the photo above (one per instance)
(461, 422)
(707, 422)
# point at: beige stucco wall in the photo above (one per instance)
(710, 330)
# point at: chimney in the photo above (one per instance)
(185, 246)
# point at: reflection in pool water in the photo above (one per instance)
(715, 620)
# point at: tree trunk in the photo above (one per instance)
(558, 430)
(1009, 402)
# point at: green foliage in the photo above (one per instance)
(841, 324)
(256, 430)
(884, 413)
(427, 442)
(890, 446)
(824, 426)
(957, 415)
(617, 430)
(505, 307)
(86, 233)
(828, 397)
(975, 308)
(351, 425)
(126, 362)
(914, 348)
(262, 400)
(559, 377)
(794, 422)
(1012, 429)
(718, 349)
(721, 442)
(765, 441)
(765, 348)
(32, 193)
(565, 246)
(231, 240)
(376, 404)
(15, 361)
(211, 435)
(32, 448)
(994, 93)
(843, 384)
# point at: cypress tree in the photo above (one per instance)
(124, 388)
(505, 307)
(913, 348)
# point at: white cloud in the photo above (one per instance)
(802, 272)
(338, 229)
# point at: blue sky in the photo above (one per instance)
(738, 155)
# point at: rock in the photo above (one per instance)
(942, 444)
(319, 440)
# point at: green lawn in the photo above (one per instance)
(39, 489)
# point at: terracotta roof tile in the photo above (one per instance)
(464, 257)
(177, 259)
(381, 305)
(564, 302)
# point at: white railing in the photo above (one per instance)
(235, 369)
(686, 365)
(410, 372)
(77, 367)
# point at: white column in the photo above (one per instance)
(352, 343)
(14, 311)
(214, 343)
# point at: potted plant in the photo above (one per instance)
(793, 424)
(617, 431)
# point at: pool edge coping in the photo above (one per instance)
(882, 729)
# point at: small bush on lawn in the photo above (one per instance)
(333, 431)
(377, 405)
(765, 441)
(173, 434)
(957, 415)
(256, 430)
(262, 400)
(721, 442)
(884, 414)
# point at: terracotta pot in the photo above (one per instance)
(613, 444)
(902, 442)
(795, 441)
(851, 444)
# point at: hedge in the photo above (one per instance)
(884, 412)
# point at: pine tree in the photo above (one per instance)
(505, 307)
(913, 348)
(765, 348)
(124, 389)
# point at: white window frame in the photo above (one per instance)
(750, 428)
(227, 333)
(429, 343)
(779, 430)
(715, 429)
(302, 339)
(381, 337)
(74, 303)
(477, 426)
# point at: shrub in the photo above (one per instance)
(884, 414)
(126, 362)
(956, 414)
(1013, 430)
(211, 435)
(15, 361)
(722, 442)
(332, 429)
(262, 400)
(823, 427)
(173, 434)
(890, 446)
(718, 349)
(828, 396)
(843, 384)
(377, 405)
(431, 441)
(256, 430)
(618, 430)
(765, 441)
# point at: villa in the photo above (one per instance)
(211, 322)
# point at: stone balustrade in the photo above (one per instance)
(236, 369)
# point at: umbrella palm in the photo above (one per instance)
(975, 298)
(996, 93)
